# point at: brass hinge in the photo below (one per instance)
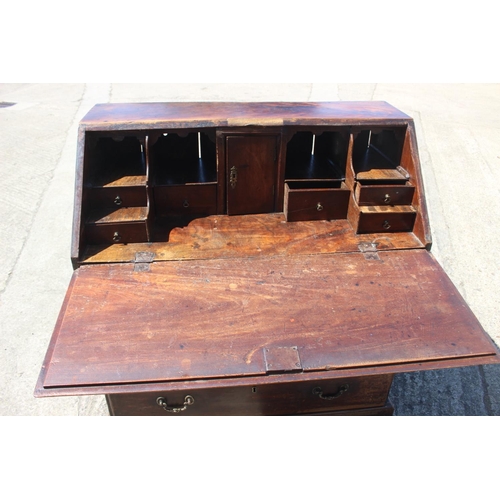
(142, 261)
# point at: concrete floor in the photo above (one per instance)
(458, 129)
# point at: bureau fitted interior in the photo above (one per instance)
(139, 186)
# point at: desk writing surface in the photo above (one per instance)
(212, 319)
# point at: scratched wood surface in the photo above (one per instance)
(197, 320)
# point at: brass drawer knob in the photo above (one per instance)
(117, 237)
(386, 225)
(342, 390)
(161, 401)
(387, 199)
(118, 201)
(319, 207)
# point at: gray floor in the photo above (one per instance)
(458, 133)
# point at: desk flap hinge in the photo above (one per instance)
(142, 261)
(369, 250)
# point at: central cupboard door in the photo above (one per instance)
(251, 166)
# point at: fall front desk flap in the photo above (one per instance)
(225, 318)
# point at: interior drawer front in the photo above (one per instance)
(117, 197)
(180, 200)
(116, 233)
(386, 222)
(315, 204)
(384, 195)
(270, 399)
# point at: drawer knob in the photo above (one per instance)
(342, 390)
(118, 201)
(386, 225)
(116, 237)
(387, 199)
(185, 204)
(161, 401)
(319, 207)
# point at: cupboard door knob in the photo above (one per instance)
(319, 207)
(118, 201)
(387, 199)
(161, 401)
(116, 237)
(342, 390)
(386, 225)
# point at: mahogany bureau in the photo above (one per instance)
(252, 259)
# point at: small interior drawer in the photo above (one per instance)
(376, 219)
(384, 195)
(315, 201)
(117, 197)
(131, 232)
(267, 399)
(198, 199)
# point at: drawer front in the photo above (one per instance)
(117, 197)
(270, 399)
(185, 200)
(379, 411)
(116, 233)
(384, 195)
(315, 204)
(386, 222)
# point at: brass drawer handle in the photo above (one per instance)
(116, 237)
(387, 199)
(161, 401)
(233, 177)
(386, 225)
(342, 390)
(319, 207)
(118, 201)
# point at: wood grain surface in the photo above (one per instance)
(209, 319)
(217, 114)
(222, 237)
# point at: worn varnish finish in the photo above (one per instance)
(214, 318)
(237, 114)
(252, 258)
(251, 236)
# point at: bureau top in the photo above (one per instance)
(230, 114)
